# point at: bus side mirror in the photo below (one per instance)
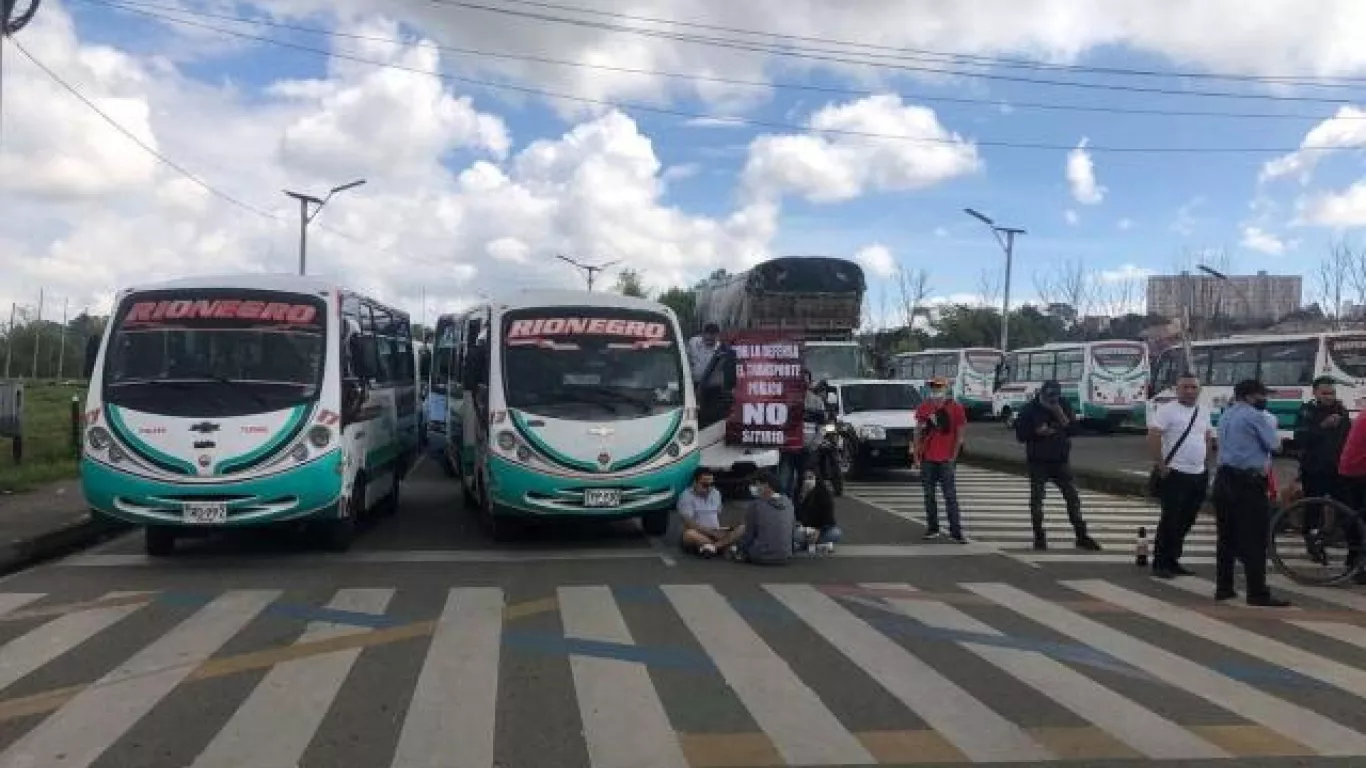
(353, 398)
(92, 351)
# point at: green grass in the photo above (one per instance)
(47, 438)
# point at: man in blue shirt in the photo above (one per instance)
(1242, 508)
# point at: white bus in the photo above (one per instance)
(1286, 364)
(568, 404)
(248, 400)
(1106, 382)
(971, 373)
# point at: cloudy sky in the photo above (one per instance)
(674, 138)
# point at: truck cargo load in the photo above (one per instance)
(811, 296)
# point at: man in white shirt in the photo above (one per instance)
(701, 349)
(1182, 469)
(699, 509)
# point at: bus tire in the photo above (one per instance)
(337, 534)
(655, 523)
(499, 529)
(159, 541)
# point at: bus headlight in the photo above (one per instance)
(299, 453)
(523, 453)
(506, 440)
(99, 438)
(320, 436)
(673, 450)
(116, 454)
(686, 435)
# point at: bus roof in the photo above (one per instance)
(263, 282)
(563, 298)
(1265, 338)
(1056, 345)
(944, 351)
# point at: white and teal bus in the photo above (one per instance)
(566, 404)
(971, 373)
(245, 401)
(1106, 382)
(1286, 364)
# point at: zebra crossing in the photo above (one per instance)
(995, 507)
(682, 675)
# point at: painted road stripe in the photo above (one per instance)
(303, 688)
(1345, 598)
(40, 646)
(451, 719)
(1296, 723)
(1146, 733)
(75, 735)
(977, 731)
(1343, 676)
(624, 722)
(1025, 555)
(13, 601)
(395, 557)
(800, 726)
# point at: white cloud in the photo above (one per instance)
(88, 212)
(1257, 239)
(829, 167)
(1344, 130)
(1071, 217)
(877, 259)
(1125, 223)
(1345, 209)
(1125, 272)
(1081, 176)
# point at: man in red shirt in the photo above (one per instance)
(939, 433)
(1352, 470)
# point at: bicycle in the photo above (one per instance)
(1322, 556)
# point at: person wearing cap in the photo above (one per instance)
(939, 434)
(1242, 508)
(1045, 425)
(1352, 487)
(702, 349)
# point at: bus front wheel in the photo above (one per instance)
(158, 541)
(337, 534)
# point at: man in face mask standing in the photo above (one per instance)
(939, 423)
(1045, 425)
(1242, 508)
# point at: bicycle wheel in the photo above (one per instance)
(1321, 553)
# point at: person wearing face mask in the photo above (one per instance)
(699, 510)
(1321, 431)
(770, 525)
(816, 516)
(701, 349)
(1242, 508)
(1045, 425)
(940, 422)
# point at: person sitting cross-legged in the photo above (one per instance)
(818, 531)
(699, 508)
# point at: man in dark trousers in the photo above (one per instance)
(1179, 437)
(1242, 506)
(939, 432)
(1321, 431)
(1045, 425)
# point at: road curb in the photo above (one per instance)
(76, 534)
(1091, 480)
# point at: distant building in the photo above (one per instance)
(1240, 298)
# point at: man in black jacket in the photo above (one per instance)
(1045, 425)
(1320, 432)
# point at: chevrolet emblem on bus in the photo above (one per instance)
(204, 427)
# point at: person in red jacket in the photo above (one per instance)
(939, 425)
(1352, 470)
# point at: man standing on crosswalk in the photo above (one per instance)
(939, 432)
(1179, 438)
(1045, 425)
(1242, 508)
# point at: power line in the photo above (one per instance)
(134, 6)
(168, 161)
(921, 53)
(842, 57)
(754, 122)
(133, 137)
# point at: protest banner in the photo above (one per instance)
(770, 391)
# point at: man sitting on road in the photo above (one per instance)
(770, 525)
(699, 508)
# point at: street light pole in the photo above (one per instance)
(306, 217)
(590, 271)
(1006, 237)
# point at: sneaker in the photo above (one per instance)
(1181, 570)
(931, 535)
(825, 548)
(1267, 601)
(707, 550)
(1088, 543)
(1040, 543)
(1164, 573)
(957, 538)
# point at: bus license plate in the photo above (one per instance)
(205, 512)
(602, 497)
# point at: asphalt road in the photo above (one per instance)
(594, 646)
(1121, 452)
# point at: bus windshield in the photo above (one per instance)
(1117, 358)
(834, 362)
(443, 352)
(215, 353)
(983, 360)
(599, 363)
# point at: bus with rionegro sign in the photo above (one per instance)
(248, 400)
(567, 404)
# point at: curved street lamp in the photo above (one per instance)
(306, 217)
